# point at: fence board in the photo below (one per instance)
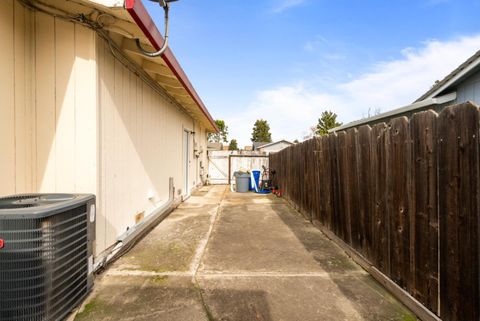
(326, 182)
(337, 200)
(309, 180)
(343, 214)
(351, 180)
(398, 190)
(458, 212)
(365, 191)
(380, 214)
(424, 238)
(317, 201)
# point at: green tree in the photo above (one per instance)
(327, 121)
(221, 136)
(233, 145)
(296, 141)
(261, 132)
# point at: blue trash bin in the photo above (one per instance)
(256, 177)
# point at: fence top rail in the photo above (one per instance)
(249, 156)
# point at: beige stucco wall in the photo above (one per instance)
(74, 119)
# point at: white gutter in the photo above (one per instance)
(424, 103)
(109, 3)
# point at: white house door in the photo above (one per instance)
(186, 162)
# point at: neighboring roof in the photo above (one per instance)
(125, 21)
(441, 93)
(456, 76)
(215, 146)
(274, 143)
(258, 144)
(399, 111)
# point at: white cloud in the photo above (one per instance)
(313, 45)
(286, 4)
(292, 109)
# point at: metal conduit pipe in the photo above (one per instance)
(165, 4)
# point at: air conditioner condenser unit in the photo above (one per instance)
(46, 255)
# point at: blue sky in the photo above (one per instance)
(288, 60)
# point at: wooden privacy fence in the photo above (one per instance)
(405, 196)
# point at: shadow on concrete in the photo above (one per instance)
(174, 299)
(235, 305)
(370, 299)
(328, 256)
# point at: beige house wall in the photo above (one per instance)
(74, 119)
(141, 140)
(48, 111)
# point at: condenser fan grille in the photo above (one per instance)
(33, 200)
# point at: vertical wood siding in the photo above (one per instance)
(7, 92)
(469, 90)
(48, 129)
(47, 73)
(141, 147)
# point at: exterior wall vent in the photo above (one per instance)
(47, 255)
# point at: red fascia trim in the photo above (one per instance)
(137, 11)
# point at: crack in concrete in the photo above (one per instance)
(205, 306)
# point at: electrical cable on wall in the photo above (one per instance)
(165, 4)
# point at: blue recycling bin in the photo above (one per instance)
(256, 177)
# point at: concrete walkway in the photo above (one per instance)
(225, 256)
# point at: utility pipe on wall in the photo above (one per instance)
(165, 4)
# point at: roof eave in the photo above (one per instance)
(139, 14)
(273, 143)
(453, 78)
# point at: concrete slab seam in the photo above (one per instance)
(197, 260)
(322, 275)
(145, 273)
(202, 246)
